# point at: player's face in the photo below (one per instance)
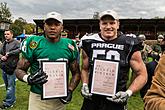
(53, 29)
(109, 27)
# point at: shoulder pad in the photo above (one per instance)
(132, 41)
(131, 35)
(89, 34)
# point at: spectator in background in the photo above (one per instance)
(64, 34)
(146, 49)
(9, 55)
(150, 65)
(156, 47)
(155, 96)
(150, 71)
(49, 46)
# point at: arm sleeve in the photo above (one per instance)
(16, 51)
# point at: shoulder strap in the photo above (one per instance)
(130, 49)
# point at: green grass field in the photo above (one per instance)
(22, 91)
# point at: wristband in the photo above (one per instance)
(25, 78)
(129, 92)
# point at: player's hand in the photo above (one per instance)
(66, 100)
(39, 77)
(120, 97)
(85, 91)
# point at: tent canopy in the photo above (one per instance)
(21, 36)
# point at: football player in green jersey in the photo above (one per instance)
(52, 47)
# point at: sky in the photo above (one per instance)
(84, 9)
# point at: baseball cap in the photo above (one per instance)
(160, 36)
(109, 12)
(142, 37)
(54, 15)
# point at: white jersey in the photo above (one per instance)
(118, 50)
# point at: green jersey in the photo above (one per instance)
(37, 48)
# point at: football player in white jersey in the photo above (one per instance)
(109, 46)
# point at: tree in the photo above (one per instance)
(157, 17)
(29, 28)
(5, 14)
(18, 26)
(21, 26)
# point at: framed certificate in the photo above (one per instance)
(56, 86)
(104, 77)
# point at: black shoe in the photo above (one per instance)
(2, 106)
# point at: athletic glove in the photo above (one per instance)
(68, 98)
(39, 77)
(85, 91)
(120, 97)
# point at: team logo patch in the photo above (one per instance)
(33, 44)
